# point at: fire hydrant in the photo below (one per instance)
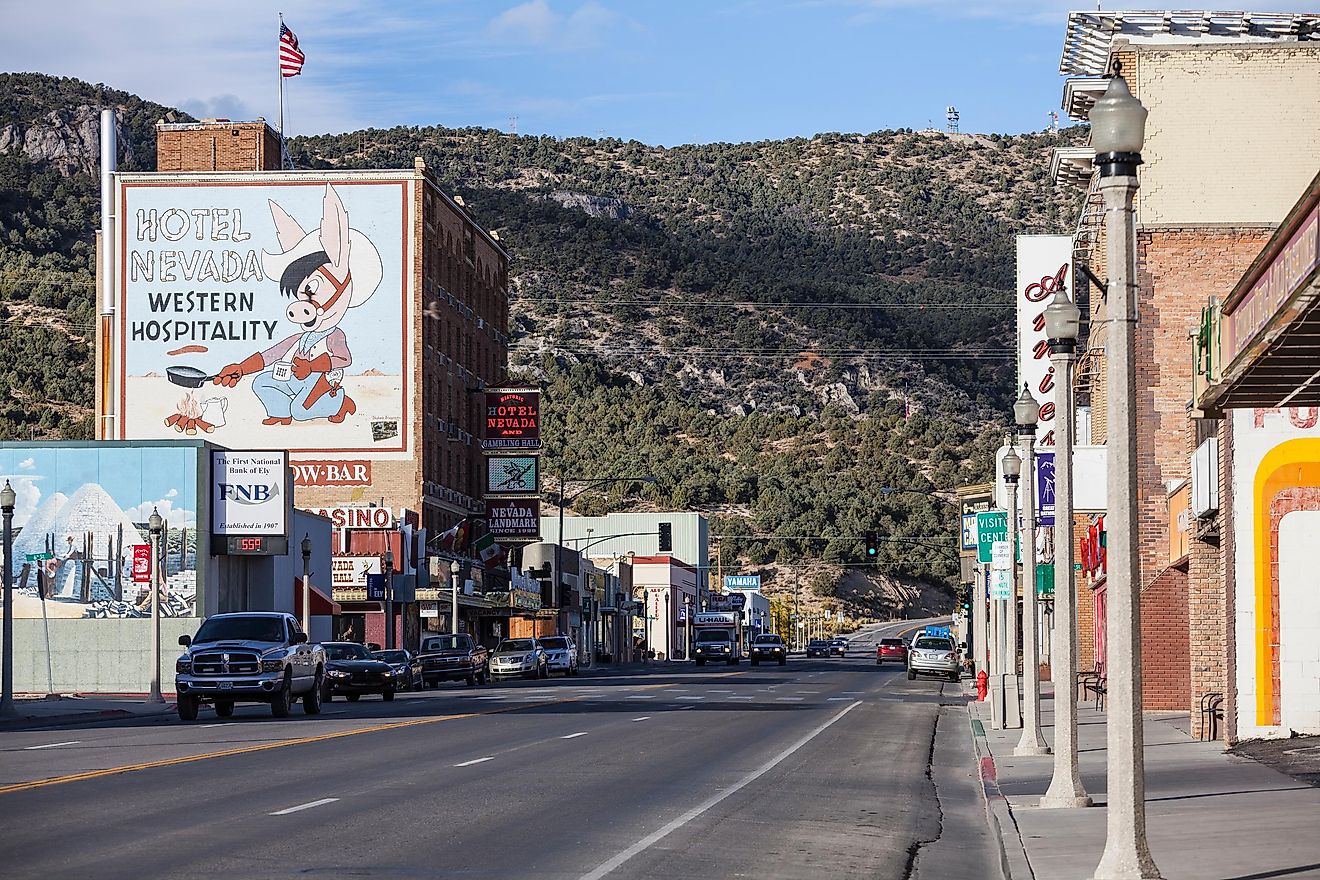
(982, 685)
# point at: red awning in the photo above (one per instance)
(321, 603)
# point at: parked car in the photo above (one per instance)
(406, 666)
(450, 657)
(931, 655)
(561, 654)
(249, 658)
(352, 671)
(839, 646)
(891, 650)
(818, 648)
(768, 647)
(519, 658)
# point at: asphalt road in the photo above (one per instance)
(819, 768)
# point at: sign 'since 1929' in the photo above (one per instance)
(514, 519)
(513, 419)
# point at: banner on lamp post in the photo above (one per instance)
(1044, 264)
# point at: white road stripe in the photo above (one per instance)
(641, 696)
(790, 699)
(575, 735)
(72, 742)
(204, 726)
(301, 807)
(654, 837)
(643, 718)
(476, 761)
(690, 699)
(833, 699)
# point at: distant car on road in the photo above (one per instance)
(406, 665)
(352, 671)
(818, 648)
(839, 646)
(451, 657)
(560, 654)
(768, 647)
(250, 657)
(931, 655)
(891, 650)
(519, 657)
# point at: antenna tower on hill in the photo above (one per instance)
(951, 114)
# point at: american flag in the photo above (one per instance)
(291, 57)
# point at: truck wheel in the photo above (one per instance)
(188, 707)
(701, 662)
(312, 699)
(352, 698)
(755, 662)
(279, 706)
(485, 675)
(471, 681)
(783, 661)
(912, 675)
(387, 696)
(224, 708)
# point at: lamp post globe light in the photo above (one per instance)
(155, 525)
(1026, 414)
(1118, 132)
(8, 497)
(1006, 702)
(1062, 326)
(307, 585)
(389, 598)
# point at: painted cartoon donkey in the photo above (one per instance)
(325, 273)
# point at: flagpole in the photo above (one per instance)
(279, 73)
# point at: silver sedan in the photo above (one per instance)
(930, 655)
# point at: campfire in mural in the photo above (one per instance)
(191, 416)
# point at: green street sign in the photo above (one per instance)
(40, 557)
(991, 526)
(1045, 581)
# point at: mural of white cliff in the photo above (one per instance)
(80, 514)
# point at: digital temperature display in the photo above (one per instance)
(256, 545)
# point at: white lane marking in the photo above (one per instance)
(808, 692)
(643, 718)
(322, 802)
(476, 761)
(833, 699)
(72, 742)
(790, 699)
(853, 693)
(681, 708)
(742, 698)
(641, 696)
(690, 699)
(204, 726)
(655, 836)
(575, 735)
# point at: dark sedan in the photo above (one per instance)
(769, 648)
(818, 648)
(406, 666)
(352, 671)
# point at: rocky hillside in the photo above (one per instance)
(779, 331)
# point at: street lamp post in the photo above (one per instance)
(455, 568)
(1026, 413)
(1118, 127)
(1011, 714)
(1062, 323)
(307, 585)
(7, 499)
(559, 542)
(154, 526)
(389, 598)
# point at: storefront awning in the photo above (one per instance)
(1261, 347)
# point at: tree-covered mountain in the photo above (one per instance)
(778, 331)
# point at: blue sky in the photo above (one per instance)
(661, 72)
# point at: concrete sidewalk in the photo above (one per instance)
(78, 709)
(1209, 815)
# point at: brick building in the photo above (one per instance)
(1212, 190)
(453, 305)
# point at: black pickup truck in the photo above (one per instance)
(449, 657)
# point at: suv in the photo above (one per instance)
(450, 657)
(891, 649)
(839, 645)
(560, 654)
(250, 657)
(932, 655)
(768, 646)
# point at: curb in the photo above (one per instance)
(36, 721)
(1013, 861)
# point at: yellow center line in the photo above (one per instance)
(299, 741)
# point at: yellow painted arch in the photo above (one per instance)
(1292, 464)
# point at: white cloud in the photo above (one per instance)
(27, 464)
(27, 496)
(172, 493)
(535, 23)
(177, 516)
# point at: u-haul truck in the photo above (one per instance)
(717, 636)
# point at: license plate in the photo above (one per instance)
(226, 685)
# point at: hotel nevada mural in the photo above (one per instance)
(264, 314)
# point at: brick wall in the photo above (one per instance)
(1228, 583)
(1178, 271)
(1085, 601)
(1207, 623)
(217, 146)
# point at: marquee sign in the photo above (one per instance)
(513, 419)
(514, 519)
(512, 475)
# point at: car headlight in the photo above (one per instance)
(389, 673)
(272, 665)
(337, 673)
(183, 664)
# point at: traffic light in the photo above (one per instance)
(965, 600)
(666, 537)
(872, 546)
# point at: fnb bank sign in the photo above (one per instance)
(513, 420)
